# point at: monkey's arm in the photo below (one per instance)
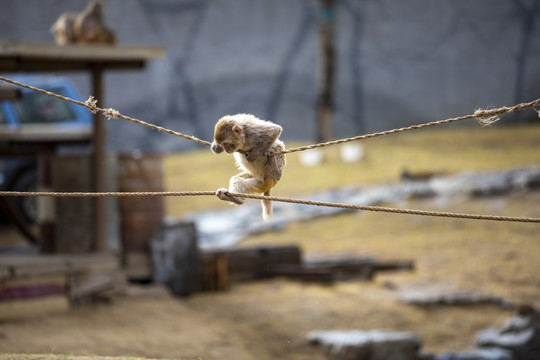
(266, 134)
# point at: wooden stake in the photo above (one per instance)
(325, 98)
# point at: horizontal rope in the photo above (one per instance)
(77, 194)
(279, 199)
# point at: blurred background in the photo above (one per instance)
(193, 277)
(397, 63)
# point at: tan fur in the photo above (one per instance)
(251, 140)
(85, 27)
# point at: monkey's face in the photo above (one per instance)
(228, 146)
(228, 136)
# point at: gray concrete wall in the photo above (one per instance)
(399, 62)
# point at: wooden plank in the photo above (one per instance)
(30, 291)
(299, 272)
(215, 273)
(40, 57)
(41, 132)
(87, 52)
(48, 65)
(393, 265)
(28, 265)
(248, 263)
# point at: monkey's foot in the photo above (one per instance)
(223, 194)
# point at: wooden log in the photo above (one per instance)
(393, 265)
(248, 263)
(301, 273)
(176, 258)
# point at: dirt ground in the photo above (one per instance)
(270, 319)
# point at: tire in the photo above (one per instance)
(26, 206)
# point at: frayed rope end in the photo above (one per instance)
(111, 114)
(91, 104)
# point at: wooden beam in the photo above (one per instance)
(89, 52)
(99, 163)
(45, 65)
(42, 57)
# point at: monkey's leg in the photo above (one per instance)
(241, 184)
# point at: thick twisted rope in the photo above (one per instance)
(280, 199)
(91, 104)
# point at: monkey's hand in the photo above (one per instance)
(273, 165)
(253, 154)
(223, 194)
(216, 148)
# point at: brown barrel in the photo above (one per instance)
(140, 216)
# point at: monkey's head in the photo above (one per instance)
(228, 136)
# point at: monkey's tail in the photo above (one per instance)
(266, 206)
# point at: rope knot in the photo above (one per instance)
(488, 117)
(91, 104)
(111, 113)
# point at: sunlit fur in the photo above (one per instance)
(251, 140)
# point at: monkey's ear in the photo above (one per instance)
(237, 129)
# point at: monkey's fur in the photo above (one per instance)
(252, 141)
(85, 27)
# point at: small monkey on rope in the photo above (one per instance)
(252, 141)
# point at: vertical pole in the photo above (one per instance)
(46, 207)
(326, 70)
(99, 164)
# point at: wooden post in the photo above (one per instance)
(99, 164)
(325, 88)
(46, 208)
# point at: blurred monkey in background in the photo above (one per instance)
(85, 27)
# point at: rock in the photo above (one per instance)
(481, 354)
(367, 345)
(459, 298)
(519, 335)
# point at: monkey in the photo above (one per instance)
(85, 27)
(252, 141)
(90, 26)
(63, 28)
